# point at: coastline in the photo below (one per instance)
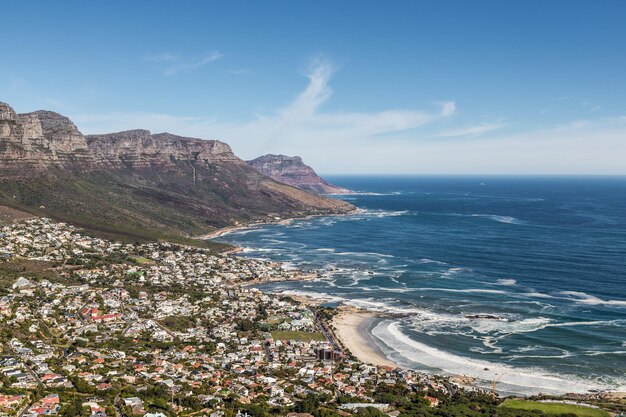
(350, 327)
(230, 229)
(222, 231)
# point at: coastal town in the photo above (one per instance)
(100, 328)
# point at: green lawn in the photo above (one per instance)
(294, 335)
(141, 260)
(555, 408)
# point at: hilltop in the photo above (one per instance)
(293, 171)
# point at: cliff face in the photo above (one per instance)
(136, 183)
(32, 142)
(291, 170)
(141, 149)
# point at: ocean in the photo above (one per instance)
(518, 280)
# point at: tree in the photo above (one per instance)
(370, 412)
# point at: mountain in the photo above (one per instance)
(291, 170)
(137, 184)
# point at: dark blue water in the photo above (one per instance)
(544, 258)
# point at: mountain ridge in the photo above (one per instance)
(135, 183)
(293, 171)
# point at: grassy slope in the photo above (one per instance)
(162, 204)
(10, 215)
(554, 408)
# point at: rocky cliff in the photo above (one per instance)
(33, 142)
(140, 149)
(291, 170)
(135, 183)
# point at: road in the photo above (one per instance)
(328, 334)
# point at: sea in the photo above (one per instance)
(517, 281)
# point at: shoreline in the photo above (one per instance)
(350, 327)
(230, 229)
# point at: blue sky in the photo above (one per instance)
(483, 87)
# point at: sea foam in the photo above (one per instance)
(584, 298)
(513, 379)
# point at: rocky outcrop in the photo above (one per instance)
(9, 123)
(291, 170)
(33, 142)
(141, 149)
(39, 141)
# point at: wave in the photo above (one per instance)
(430, 261)
(584, 298)
(601, 353)
(367, 254)
(248, 249)
(563, 356)
(525, 352)
(289, 266)
(497, 325)
(509, 198)
(464, 290)
(270, 235)
(378, 305)
(521, 380)
(452, 271)
(369, 193)
(380, 213)
(497, 218)
(487, 331)
(273, 241)
(430, 322)
(590, 323)
(535, 348)
(536, 294)
(494, 217)
(506, 282)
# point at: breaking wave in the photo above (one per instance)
(401, 347)
(506, 282)
(584, 298)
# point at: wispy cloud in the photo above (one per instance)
(388, 141)
(588, 105)
(591, 106)
(301, 126)
(470, 131)
(175, 64)
(303, 120)
(317, 92)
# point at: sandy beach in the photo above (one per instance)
(230, 229)
(350, 326)
(220, 232)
